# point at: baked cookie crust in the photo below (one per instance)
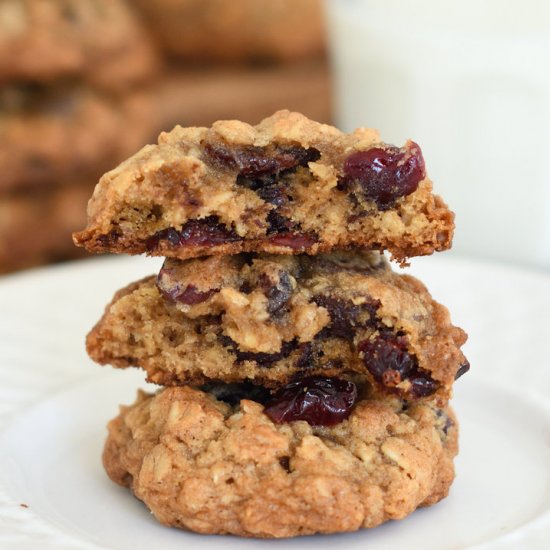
(201, 464)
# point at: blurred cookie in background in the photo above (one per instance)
(35, 227)
(57, 133)
(100, 41)
(74, 102)
(86, 83)
(198, 97)
(236, 30)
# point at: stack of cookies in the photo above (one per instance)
(305, 383)
(72, 74)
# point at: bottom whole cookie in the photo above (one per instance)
(201, 464)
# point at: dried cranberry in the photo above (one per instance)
(189, 296)
(463, 369)
(251, 164)
(172, 236)
(192, 296)
(297, 241)
(388, 360)
(292, 157)
(277, 293)
(172, 289)
(384, 175)
(317, 400)
(205, 232)
(383, 354)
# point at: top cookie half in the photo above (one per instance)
(286, 186)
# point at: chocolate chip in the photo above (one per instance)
(345, 316)
(278, 292)
(284, 461)
(232, 394)
(463, 369)
(253, 162)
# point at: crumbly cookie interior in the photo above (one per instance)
(268, 319)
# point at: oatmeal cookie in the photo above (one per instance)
(203, 464)
(36, 226)
(99, 41)
(270, 319)
(54, 134)
(240, 30)
(199, 96)
(286, 186)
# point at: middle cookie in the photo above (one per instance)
(270, 319)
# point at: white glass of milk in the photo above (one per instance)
(470, 82)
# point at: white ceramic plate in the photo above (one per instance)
(54, 404)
